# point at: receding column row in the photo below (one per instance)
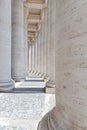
(43, 49)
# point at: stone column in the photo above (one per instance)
(71, 68)
(44, 43)
(45, 40)
(50, 87)
(6, 83)
(41, 47)
(39, 55)
(25, 45)
(18, 44)
(30, 57)
(33, 57)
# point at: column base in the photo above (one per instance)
(50, 87)
(7, 86)
(48, 122)
(43, 75)
(40, 74)
(18, 79)
(46, 78)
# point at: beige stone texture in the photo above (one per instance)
(50, 86)
(70, 112)
(18, 43)
(39, 54)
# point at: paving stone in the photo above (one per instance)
(23, 111)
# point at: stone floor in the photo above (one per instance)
(24, 108)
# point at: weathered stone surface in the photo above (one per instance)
(33, 57)
(51, 46)
(18, 44)
(38, 54)
(71, 68)
(6, 83)
(35, 54)
(41, 48)
(26, 46)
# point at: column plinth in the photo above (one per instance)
(50, 87)
(7, 86)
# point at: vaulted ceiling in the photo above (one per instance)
(34, 15)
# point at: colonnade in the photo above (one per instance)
(43, 49)
(59, 55)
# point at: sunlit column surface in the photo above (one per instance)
(39, 54)
(36, 49)
(51, 41)
(33, 56)
(18, 43)
(26, 49)
(41, 42)
(30, 57)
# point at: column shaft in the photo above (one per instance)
(41, 42)
(51, 41)
(6, 83)
(47, 45)
(25, 45)
(45, 41)
(33, 57)
(39, 55)
(18, 44)
(70, 112)
(36, 62)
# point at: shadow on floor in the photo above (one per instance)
(27, 90)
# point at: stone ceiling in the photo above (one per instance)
(34, 14)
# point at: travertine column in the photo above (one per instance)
(26, 58)
(44, 43)
(33, 56)
(39, 54)
(71, 68)
(6, 83)
(46, 50)
(47, 41)
(41, 42)
(51, 83)
(18, 47)
(30, 57)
